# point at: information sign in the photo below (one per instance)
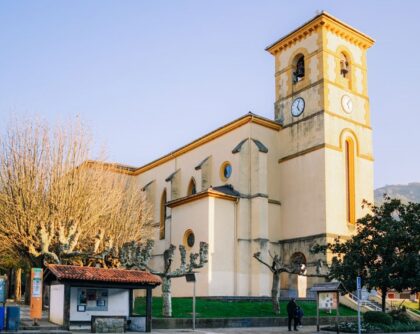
(2, 290)
(327, 300)
(36, 293)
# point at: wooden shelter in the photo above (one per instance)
(79, 294)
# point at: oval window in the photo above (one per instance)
(226, 171)
(189, 238)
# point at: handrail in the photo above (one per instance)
(364, 302)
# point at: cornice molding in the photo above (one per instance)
(248, 118)
(328, 22)
(204, 194)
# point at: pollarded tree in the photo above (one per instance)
(137, 256)
(55, 207)
(385, 252)
(277, 267)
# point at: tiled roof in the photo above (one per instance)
(64, 272)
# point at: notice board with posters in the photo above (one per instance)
(328, 300)
(91, 299)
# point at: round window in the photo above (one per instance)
(189, 238)
(226, 170)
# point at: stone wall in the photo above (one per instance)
(104, 324)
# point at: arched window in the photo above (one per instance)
(299, 282)
(162, 216)
(192, 189)
(298, 68)
(350, 184)
(298, 261)
(344, 66)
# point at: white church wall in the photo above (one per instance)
(196, 216)
(222, 258)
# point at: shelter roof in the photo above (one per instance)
(328, 287)
(66, 272)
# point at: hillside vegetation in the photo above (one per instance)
(406, 192)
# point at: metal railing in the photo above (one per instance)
(365, 302)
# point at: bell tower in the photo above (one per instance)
(325, 147)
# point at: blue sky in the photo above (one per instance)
(151, 76)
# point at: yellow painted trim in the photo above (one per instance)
(335, 55)
(347, 119)
(200, 195)
(250, 118)
(162, 220)
(345, 82)
(350, 180)
(317, 113)
(185, 238)
(222, 171)
(324, 81)
(300, 153)
(319, 147)
(329, 22)
(350, 91)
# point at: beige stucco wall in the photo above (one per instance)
(196, 216)
(303, 195)
(213, 221)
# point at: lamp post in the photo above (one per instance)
(191, 278)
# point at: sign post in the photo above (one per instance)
(2, 300)
(359, 287)
(191, 278)
(36, 295)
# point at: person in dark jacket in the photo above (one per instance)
(291, 314)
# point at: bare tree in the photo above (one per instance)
(137, 256)
(55, 207)
(277, 267)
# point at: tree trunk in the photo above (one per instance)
(383, 297)
(166, 297)
(28, 288)
(275, 293)
(18, 285)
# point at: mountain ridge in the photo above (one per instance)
(406, 192)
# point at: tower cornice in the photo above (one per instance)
(328, 22)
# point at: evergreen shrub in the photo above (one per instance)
(375, 317)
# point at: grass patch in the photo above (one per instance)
(208, 308)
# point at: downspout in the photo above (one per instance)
(250, 201)
(235, 249)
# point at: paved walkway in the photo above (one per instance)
(256, 330)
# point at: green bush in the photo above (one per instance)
(400, 315)
(375, 317)
(400, 327)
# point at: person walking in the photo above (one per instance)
(291, 314)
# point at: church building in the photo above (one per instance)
(275, 186)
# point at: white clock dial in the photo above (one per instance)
(298, 106)
(347, 104)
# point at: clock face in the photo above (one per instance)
(298, 106)
(347, 104)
